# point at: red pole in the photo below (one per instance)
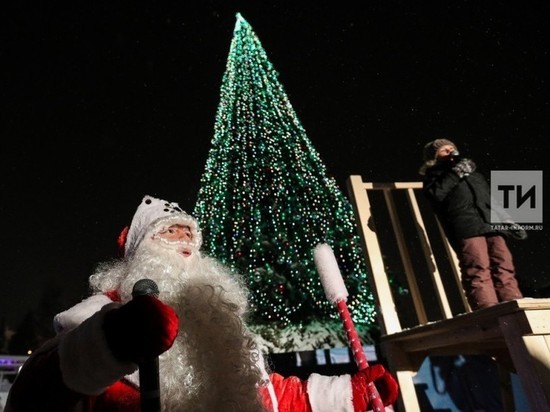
(359, 354)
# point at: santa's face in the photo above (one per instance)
(177, 237)
(169, 257)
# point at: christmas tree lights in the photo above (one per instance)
(266, 201)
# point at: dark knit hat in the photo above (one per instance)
(431, 148)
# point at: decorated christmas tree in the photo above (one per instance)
(266, 201)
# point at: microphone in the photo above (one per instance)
(454, 157)
(145, 287)
(149, 383)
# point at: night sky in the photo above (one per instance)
(102, 104)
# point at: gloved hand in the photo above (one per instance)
(141, 329)
(515, 231)
(464, 167)
(385, 384)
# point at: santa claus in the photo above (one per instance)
(195, 326)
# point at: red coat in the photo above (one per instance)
(76, 371)
(42, 377)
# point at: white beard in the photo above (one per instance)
(213, 364)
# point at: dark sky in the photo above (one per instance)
(102, 104)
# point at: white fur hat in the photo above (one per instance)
(154, 215)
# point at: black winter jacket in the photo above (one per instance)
(462, 205)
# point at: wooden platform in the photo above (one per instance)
(516, 334)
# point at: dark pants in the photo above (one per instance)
(488, 272)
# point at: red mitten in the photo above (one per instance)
(384, 382)
(141, 329)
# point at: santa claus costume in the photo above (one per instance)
(208, 359)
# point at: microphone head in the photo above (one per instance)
(456, 153)
(145, 287)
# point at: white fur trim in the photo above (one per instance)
(266, 381)
(150, 215)
(133, 378)
(330, 393)
(74, 316)
(87, 364)
(331, 278)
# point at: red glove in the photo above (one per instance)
(384, 382)
(141, 329)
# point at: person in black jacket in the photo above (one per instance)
(461, 199)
